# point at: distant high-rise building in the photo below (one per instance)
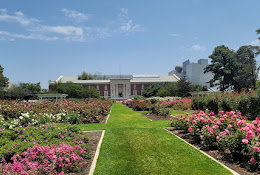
(193, 72)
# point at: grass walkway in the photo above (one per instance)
(134, 145)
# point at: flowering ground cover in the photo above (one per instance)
(46, 149)
(228, 132)
(13, 113)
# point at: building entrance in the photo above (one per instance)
(120, 90)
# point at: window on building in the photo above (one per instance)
(134, 92)
(142, 86)
(134, 86)
(105, 93)
(97, 87)
(105, 87)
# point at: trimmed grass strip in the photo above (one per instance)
(134, 145)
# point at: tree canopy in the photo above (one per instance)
(76, 91)
(247, 70)
(3, 79)
(222, 67)
(232, 69)
(181, 88)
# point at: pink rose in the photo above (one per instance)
(217, 138)
(245, 141)
(252, 160)
(256, 149)
(258, 130)
(190, 129)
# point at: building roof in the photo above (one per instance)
(132, 78)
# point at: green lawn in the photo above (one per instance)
(134, 145)
(175, 112)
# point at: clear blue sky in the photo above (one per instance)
(41, 40)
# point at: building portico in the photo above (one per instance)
(120, 87)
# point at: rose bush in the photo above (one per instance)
(159, 107)
(227, 131)
(13, 113)
(34, 150)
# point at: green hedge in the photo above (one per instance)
(248, 103)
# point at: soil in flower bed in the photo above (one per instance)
(93, 141)
(223, 158)
(104, 119)
(156, 117)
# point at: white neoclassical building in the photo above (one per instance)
(119, 86)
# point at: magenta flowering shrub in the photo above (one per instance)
(227, 132)
(45, 160)
(16, 141)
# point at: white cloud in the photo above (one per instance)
(11, 36)
(64, 30)
(3, 10)
(130, 27)
(19, 17)
(198, 47)
(75, 15)
(123, 13)
(32, 28)
(254, 43)
(175, 35)
(69, 33)
(127, 24)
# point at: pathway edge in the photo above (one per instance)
(94, 162)
(108, 115)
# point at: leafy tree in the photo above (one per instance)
(33, 88)
(73, 90)
(163, 93)
(18, 92)
(3, 79)
(247, 71)
(151, 91)
(85, 76)
(91, 92)
(223, 67)
(23, 91)
(76, 91)
(171, 87)
(258, 32)
(184, 88)
(198, 87)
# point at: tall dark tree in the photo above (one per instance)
(184, 88)
(247, 70)
(258, 32)
(3, 79)
(222, 67)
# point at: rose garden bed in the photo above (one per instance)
(30, 143)
(223, 157)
